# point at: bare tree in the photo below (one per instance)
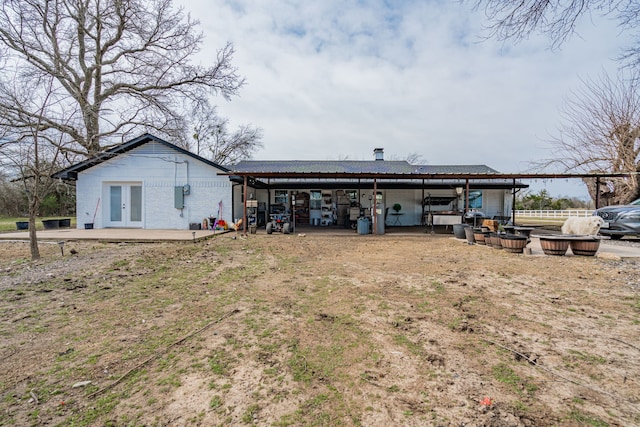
(116, 65)
(556, 18)
(33, 150)
(601, 134)
(213, 139)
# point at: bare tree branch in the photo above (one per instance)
(119, 63)
(211, 137)
(558, 19)
(601, 133)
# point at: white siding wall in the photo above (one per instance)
(411, 206)
(496, 202)
(159, 169)
(262, 196)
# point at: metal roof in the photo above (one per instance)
(391, 173)
(351, 167)
(324, 167)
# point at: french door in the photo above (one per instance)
(125, 205)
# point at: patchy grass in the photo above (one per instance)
(286, 331)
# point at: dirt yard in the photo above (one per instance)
(316, 330)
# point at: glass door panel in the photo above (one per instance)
(115, 196)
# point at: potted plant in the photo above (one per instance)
(397, 207)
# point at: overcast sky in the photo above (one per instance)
(334, 79)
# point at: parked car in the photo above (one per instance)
(620, 220)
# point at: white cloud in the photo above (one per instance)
(335, 79)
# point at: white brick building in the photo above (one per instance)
(149, 183)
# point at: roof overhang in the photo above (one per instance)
(326, 180)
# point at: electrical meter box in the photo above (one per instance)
(178, 197)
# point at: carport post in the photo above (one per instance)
(374, 220)
(244, 207)
(513, 203)
(466, 202)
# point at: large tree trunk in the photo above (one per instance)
(613, 191)
(33, 239)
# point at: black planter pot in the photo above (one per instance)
(468, 232)
(50, 224)
(88, 225)
(22, 225)
(65, 222)
(458, 231)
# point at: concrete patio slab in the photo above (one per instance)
(607, 250)
(115, 235)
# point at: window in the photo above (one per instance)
(475, 199)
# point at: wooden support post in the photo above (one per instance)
(466, 196)
(513, 203)
(374, 219)
(244, 207)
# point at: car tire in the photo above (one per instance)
(285, 228)
(617, 236)
(270, 228)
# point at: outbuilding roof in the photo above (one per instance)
(71, 173)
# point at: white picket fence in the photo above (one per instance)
(555, 214)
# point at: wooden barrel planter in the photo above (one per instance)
(495, 241)
(487, 238)
(584, 245)
(554, 245)
(513, 243)
(478, 235)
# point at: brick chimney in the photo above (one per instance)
(378, 153)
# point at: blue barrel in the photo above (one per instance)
(363, 225)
